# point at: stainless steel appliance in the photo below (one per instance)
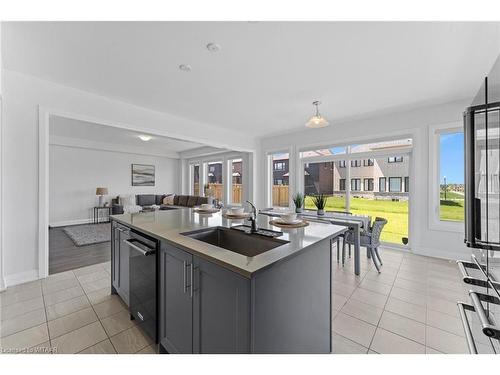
(481, 315)
(143, 266)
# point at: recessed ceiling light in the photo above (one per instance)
(145, 137)
(213, 47)
(185, 67)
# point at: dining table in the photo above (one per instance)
(355, 223)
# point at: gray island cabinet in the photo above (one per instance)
(214, 300)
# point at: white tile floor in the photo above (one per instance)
(409, 308)
(69, 312)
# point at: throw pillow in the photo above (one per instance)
(127, 200)
(169, 200)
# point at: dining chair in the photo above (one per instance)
(368, 238)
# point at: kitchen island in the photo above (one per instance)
(209, 287)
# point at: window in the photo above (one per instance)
(355, 184)
(395, 159)
(364, 165)
(196, 180)
(368, 184)
(280, 179)
(342, 184)
(451, 178)
(394, 184)
(382, 184)
(237, 181)
(279, 166)
(407, 184)
(214, 180)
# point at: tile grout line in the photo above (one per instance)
(383, 309)
(98, 317)
(46, 317)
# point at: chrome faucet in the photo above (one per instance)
(253, 218)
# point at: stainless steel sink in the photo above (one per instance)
(237, 241)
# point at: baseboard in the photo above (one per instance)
(21, 278)
(70, 222)
(460, 254)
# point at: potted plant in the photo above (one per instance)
(298, 200)
(320, 202)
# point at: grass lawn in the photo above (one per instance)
(396, 214)
(451, 208)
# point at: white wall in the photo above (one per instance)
(2, 281)
(76, 172)
(415, 123)
(22, 97)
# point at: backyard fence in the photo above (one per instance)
(218, 192)
(281, 196)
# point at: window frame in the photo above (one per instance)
(406, 188)
(385, 184)
(366, 181)
(434, 220)
(342, 184)
(400, 184)
(359, 185)
(395, 159)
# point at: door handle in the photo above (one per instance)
(192, 279)
(184, 284)
(142, 251)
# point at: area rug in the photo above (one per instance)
(89, 234)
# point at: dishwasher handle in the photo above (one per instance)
(144, 251)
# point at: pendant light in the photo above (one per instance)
(317, 121)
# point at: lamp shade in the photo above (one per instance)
(101, 191)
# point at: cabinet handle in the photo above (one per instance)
(184, 284)
(192, 279)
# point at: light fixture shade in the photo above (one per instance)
(145, 137)
(317, 122)
(101, 191)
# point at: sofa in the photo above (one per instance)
(146, 201)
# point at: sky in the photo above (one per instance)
(452, 158)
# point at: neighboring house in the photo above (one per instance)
(236, 172)
(280, 170)
(318, 177)
(382, 177)
(215, 173)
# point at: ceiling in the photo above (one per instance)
(88, 131)
(266, 75)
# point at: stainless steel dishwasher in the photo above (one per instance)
(143, 282)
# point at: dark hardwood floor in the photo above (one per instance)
(64, 255)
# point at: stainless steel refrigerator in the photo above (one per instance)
(481, 314)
